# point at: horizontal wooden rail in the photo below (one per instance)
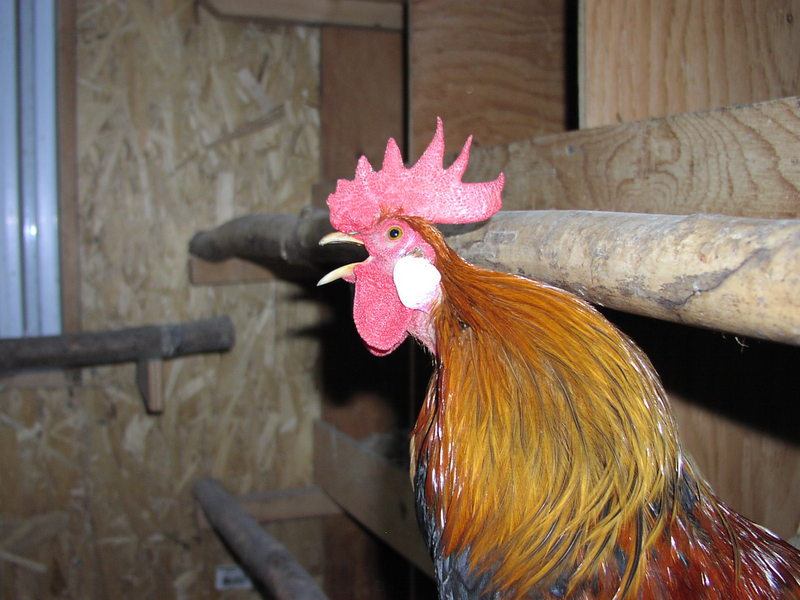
(349, 13)
(122, 345)
(265, 559)
(735, 274)
(728, 273)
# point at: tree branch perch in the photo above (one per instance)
(734, 274)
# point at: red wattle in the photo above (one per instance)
(381, 319)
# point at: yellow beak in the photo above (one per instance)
(338, 237)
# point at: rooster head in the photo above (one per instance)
(398, 284)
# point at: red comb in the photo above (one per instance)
(426, 190)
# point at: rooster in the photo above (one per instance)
(545, 460)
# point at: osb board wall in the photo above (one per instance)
(184, 121)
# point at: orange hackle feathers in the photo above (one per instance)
(548, 451)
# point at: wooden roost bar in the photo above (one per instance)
(651, 153)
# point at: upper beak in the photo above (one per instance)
(338, 237)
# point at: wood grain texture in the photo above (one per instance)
(69, 243)
(158, 84)
(739, 161)
(644, 59)
(758, 472)
(374, 491)
(724, 273)
(361, 97)
(495, 70)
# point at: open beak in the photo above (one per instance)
(338, 237)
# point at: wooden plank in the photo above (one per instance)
(362, 98)
(149, 380)
(739, 161)
(231, 270)
(69, 243)
(386, 14)
(643, 59)
(371, 489)
(282, 505)
(759, 474)
(492, 69)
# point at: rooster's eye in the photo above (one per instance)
(394, 233)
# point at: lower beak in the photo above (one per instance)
(338, 237)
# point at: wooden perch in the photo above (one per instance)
(734, 274)
(286, 244)
(729, 273)
(121, 345)
(265, 559)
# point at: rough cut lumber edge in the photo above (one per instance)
(107, 347)
(283, 505)
(739, 161)
(733, 274)
(372, 490)
(68, 213)
(265, 559)
(148, 380)
(352, 13)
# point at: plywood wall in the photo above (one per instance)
(496, 70)
(651, 59)
(184, 121)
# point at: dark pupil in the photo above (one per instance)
(394, 233)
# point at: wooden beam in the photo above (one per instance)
(283, 505)
(374, 491)
(121, 345)
(265, 559)
(352, 13)
(739, 161)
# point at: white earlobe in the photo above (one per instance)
(417, 282)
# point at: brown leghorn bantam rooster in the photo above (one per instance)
(545, 461)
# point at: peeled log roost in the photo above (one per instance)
(734, 274)
(265, 559)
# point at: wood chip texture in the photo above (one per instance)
(184, 121)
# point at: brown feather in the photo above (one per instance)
(550, 453)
